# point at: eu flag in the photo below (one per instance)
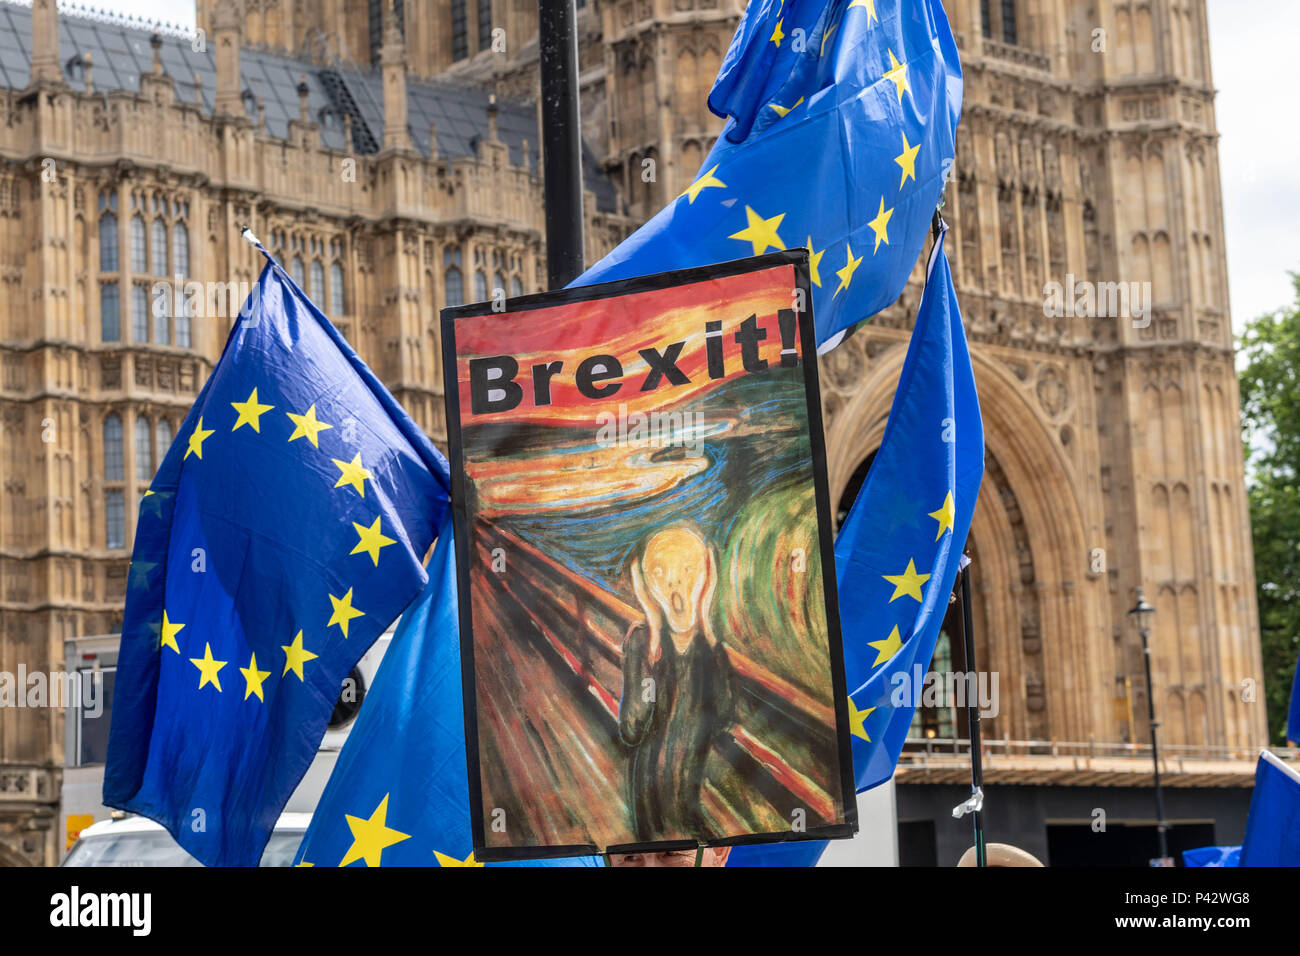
(898, 553)
(399, 794)
(840, 135)
(285, 530)
(1273, 825)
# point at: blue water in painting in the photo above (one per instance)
(767, 450)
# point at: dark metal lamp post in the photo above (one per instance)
(1141, 613)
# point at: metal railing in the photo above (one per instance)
(956, 746)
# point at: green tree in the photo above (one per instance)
(1270, 418)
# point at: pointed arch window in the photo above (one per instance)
(139, 257)
(162, 438)
(180, 249)
(158, 248)
(140, 312)
(110, 317)
(108, 242)
(113, 469)
(484, 24)
(143, 450)
(337, 300)
(1009, 32)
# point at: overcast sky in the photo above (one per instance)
(1257, 73)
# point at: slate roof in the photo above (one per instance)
(120, 52)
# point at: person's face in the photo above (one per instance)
(712, 856)
(676, 566)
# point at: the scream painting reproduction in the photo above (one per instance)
(649, 643)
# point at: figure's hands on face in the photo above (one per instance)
(653, 620)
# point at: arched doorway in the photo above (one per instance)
(1036, 610)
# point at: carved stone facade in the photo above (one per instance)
(1105, 437)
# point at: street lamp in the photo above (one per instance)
(1141, 613)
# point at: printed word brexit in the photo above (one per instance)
(494, 385)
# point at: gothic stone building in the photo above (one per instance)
(388, 156)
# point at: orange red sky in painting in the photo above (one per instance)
(620, 326)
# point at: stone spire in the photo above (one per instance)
(226, 35)
(392, 60)
(46, 65)
(156, 43)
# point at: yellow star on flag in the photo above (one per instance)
(370, 837)
(886, 647)
(352, 473)
(761, 232)
(858, 720)
(208, 668)
(907, 160)
(197, 438)
(371, 540)
(814, 257)
(169, 632)
(707, 181)
(825, 36)
(784, 110)
(871, 9)
(445, 860)
(846, 274)
(880, 225)
(295, 655)
(343, 612)
(253, 679)
(909, 582)
(777, 35)
(897, 74)
(307, 424)
(946, 514)
(250, 412)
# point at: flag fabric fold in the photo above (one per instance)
(284, 531)
(900, 548)
(399, 795)
(842, 117)
(1273, 824)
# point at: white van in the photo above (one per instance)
(129, 840)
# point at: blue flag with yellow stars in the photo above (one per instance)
(285, 530)
(899, 550)
(399, 794)
(1273, 824)
(840, 134)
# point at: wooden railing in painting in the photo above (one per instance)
(584, 627)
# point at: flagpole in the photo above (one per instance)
(973, 720)
(557, 42)
(975, 804)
